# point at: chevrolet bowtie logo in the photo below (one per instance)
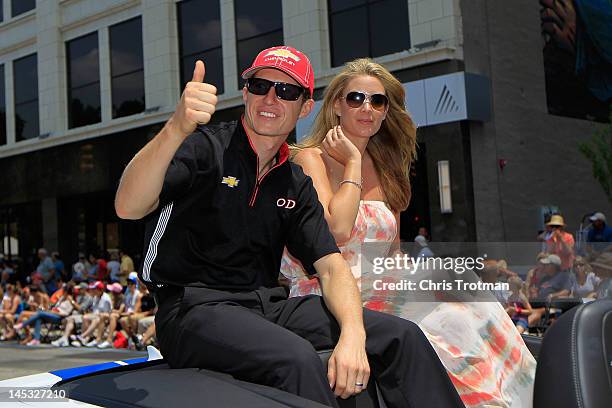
(230, 181)
(283, 53)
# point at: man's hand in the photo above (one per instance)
(348, 366)
(197, 104)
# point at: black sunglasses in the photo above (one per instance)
(286, 92)
(356, 99)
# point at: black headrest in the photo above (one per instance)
(574, 366)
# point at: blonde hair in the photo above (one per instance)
(587, 266)
(393, 148)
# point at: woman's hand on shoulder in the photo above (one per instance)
(340, 148)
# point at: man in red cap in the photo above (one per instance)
(220, 203)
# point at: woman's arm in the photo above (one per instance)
(342, 206)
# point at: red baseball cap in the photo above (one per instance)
(287, 59)
(96, 285)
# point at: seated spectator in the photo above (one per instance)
(422, 249)
(603, 269)
(7, 273)
(489, 274)
(114, 267)
(586, 282)
(127, 266)
(34, 300)
(92, 271)
(146, 332)
(46, 269)
(115, 291)
(84, 305)
(534, 275)
(102, 304)
(518, 306)
(56, 315)
(147, 308)
(11, 307)
(555, 284)
(130, 306)
(60, 271)
(600, 231)
(503, 273)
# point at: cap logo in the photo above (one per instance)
(283, 53)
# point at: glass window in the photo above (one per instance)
(199, 26)
(2, 107)
(343, 40)
(257, 28)
(21, 6)
(83, 81)
(127, 68)
(249, 48)
(128, 94)
(214, 67)
(385, 14)
(25, 73)
(1, 10)
(85, 105)
(252, 19)
(367, 24)
(339, 5)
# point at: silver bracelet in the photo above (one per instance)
(358, 184)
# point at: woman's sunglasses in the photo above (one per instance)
(286, 92)
(355, 99)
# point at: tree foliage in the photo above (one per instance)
(599, 151)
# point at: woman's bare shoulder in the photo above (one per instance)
(310, 155)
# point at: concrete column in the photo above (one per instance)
(305, 28)
(228, 45)
(106, 99)
(160, 51)
(52, 100)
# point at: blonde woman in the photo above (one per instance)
(358, 156)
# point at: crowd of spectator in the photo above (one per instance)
(99, 302)
(562, 276)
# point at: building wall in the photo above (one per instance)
(503, 41)
(434, 31)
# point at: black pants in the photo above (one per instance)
(263, 337)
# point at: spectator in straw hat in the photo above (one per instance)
(560, 242)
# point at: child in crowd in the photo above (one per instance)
(517, 305)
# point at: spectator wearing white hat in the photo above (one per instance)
(422, 249)
(560, 242)
(556, 283)
(600, 232)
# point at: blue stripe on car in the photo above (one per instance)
(77, 371)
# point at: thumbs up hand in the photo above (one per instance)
(197, 104)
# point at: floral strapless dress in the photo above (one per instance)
(482, 351)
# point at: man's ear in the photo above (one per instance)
(244, 94)
(306, 108)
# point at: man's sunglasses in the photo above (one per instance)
(356, 99)
(286, 92)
